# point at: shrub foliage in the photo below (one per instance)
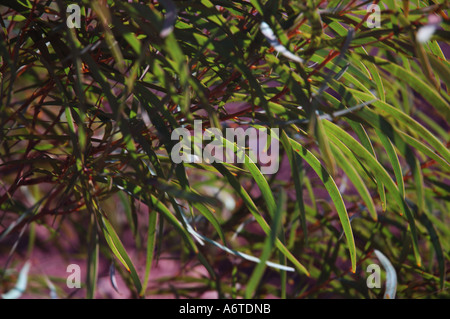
(85, 141)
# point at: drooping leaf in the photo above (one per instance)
(21, 285)
(334, 194)
(391, 275)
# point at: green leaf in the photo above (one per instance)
(254, 211)
(161, 208)
(420, 86)
(105, 17)
(356, 179)
(258, 6)
(333, 191)
(400, 138)
(324, 147)
(434, 237)
(206, 212)
(412, 125)
(92, 264)
(338, 134)
(151, 236)
(119, 251)
(258, 272)
(295, 164)
(394, 161)
(366, 142)
(441, 67)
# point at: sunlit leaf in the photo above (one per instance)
(21, 284)
(391, 275)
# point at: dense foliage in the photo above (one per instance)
(85, 141)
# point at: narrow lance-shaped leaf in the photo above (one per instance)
(21, 284)
(273, 41)
(158, 205)
(356, 180)
(92, 263)
(201, 239)
(434, 237)
(367, 143)
(337, 134)
(400, 138)
(161, 208)
(294, 160)
(112, 277)
(441, 67)
(151, 239)
(267, 250)
(335, 195)
(119, 251)
(394, 161)
(405, 120)
(378, 81)
(53, 294)
(254, 211)
(427, 91)
(391, 275)
(105, 18)
(255, 172)
(324, 146)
